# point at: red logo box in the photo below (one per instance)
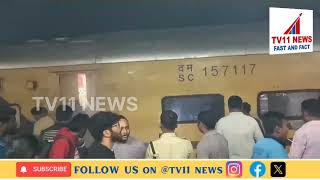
(43, 169)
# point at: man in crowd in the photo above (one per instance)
(42, 120)
(137, 149)
(273, 145)
(212, 145)
(246, 109)
(24, 146)
(4, 120)
(87, 138)
(169, 146)
(241, 131)
(67, 143)
(63, 117)
(106, 131)
(7, 128)
(306, 141)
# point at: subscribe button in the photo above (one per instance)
(43, 169)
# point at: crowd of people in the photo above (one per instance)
(106, 135)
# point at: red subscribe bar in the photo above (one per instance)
(43, 169)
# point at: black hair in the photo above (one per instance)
(271, 120)
(209, 118)
(169, 119)
(23, 147)
(64, 113)
(246, 108)
(79, 122)
(123, 117)
(42, 110)
(235, 102)
(312, 106)
(102, 121)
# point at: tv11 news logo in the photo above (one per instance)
(290, 30)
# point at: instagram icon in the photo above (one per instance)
(234, 169)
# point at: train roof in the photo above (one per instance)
(220, 30)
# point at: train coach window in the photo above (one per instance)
(188, 107)
(286, 102)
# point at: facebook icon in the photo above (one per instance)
(257, 169)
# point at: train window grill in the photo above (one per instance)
(287, 102)
(189, 106)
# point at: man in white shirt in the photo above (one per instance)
(306, 142)
(169, 146)
(241, 131)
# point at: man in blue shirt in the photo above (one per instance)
(273, 145)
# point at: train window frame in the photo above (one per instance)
(191, 95)
(282, 91)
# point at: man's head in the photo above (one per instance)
(64, 113)
(105, 126)
(275, 125)
(124, 128)
(246, 108)
(79, 124)
(235, 104)
(39, 113)
(23, 147)
(310, 110)
(169, 121)
(207, 120)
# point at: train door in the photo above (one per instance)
(77, 88)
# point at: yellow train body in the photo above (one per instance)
(150, 81)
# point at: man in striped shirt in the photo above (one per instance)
(63, 116)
